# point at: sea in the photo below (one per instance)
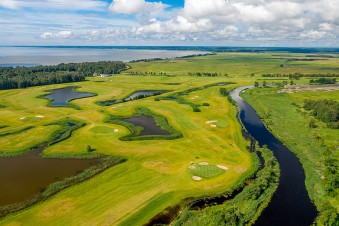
(51, 55)
(29, 56)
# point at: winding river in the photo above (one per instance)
(290, 204)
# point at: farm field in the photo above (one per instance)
(210, 158)
(285, 117)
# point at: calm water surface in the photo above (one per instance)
(148, 123)
(290, 204)
(50, 56)
(24, 176)
(60, 97)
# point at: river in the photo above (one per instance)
(290, 204)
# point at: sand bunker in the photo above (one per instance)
(22, 118)
(203, 163)
(211, 121)
(213, 125)
(116, 130)
(222, 167)
(192, 167)
(39, 116)
(196, 178)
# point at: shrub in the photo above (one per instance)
(196, 109)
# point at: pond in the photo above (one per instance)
(290, 204)
(143, 94)
(24, 176)
(148, 124)
(61, 97)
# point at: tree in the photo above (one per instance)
(264, 83)
(256, 84)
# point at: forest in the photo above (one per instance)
(22, 77)
(324, 110)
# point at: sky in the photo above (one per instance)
(304, 23)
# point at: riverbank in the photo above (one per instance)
(282, 116)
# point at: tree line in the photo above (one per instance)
(323, 81)
(22, 77)
(299, 75)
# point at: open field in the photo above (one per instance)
(156, 174)
(242, 64)
(291, 125)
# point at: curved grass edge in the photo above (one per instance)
(70, 105)
(15, 131)
(135, 130)
(237, 211)
(124, 99)
(67, 126)
(52, 189)
(64, 132)
(195, 107)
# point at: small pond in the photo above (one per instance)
(143, 94)
(148, 124)
(24, 176)
(61, 97)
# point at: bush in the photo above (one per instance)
(196, 109)
(205, 104)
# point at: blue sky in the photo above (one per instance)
(178, 22)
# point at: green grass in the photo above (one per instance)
(291, 125)
(102, 130)
(208, 171)
(155, 168)
(247, 204)
(155, 175)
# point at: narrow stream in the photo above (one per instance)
(290, 204)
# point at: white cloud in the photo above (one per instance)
(136, 6)
(179, 24)
(8, 4)
(58, 35)
(69, 5)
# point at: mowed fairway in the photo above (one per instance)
(157, 173)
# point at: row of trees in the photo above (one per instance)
(323, 81)
(299, 75)
(22, 77)
(209, 74)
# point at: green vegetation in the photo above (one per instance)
(22, 77)
(246, 206)
(52, 189)
(6, 133)
(161, 121)
(323, 81)
(315, 147)
(157, 175)
(207, 171)
(325, 110)
(126, 98)
(129, 192)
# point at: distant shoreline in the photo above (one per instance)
(202, 48)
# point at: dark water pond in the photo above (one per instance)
(143, 93)
(24, 176)
(148, 123)
(290, 204)
(61, 97)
